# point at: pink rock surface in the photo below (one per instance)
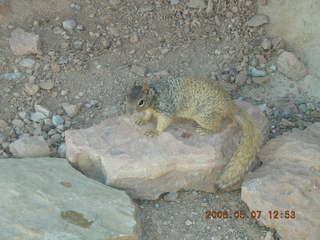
(117, 153)
(289, 180)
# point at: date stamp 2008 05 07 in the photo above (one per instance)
(256, 214)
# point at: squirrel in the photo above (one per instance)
(205, 102)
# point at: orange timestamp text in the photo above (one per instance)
(254, 214)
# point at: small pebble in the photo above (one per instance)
(256, 73)
(62, 150)
(258, 20)
(24, 115)
(303, 108)
(11, 76)
(77, 44)
(172, 196)
(174, 2)
(88, 105)
(71, 110)
(188, 222)
(241, 78)
(266, 44)
(273, 68)
(260, 80)
(31, 89)
(69, 24)
(64, 92)
(47, 85)
(57, 120)
(18, 123)
(27, 63)
(43, 110)
(37, 116)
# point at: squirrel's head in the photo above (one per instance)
(139, 98)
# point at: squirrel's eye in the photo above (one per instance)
(141, 102)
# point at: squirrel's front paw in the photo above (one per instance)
(151, 133)
(141, 122)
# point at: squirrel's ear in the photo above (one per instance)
(151, 91)
(145, 88)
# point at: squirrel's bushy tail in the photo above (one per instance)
(246, 153)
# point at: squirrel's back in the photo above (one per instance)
(187, 97)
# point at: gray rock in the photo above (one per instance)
(196, 4)
(134, 38)
(31, 88)
(69, 24)
(139, 70)
(256, 73)
(54, 139)
(261, 80)
(303, 108)
(172, 196)
(241, 78)
(24, 43)
(42, 110)
(3, 124)
(46, 199)
(47, 85)
(71, 110)
(264, 107)
(273, 68)
(75, 6)
(88, 105)
(3, 2)
(27, 146)
(37, 116)
(62, 150)
(11, 76)
(174, 2)
(57, 120)
(278, 43)
(288, 182)
(289, 65)
(188, 222)
(77, 44)
(24, 115)
(258, 20)
(27, 63)
(115, 2)
(266, 44)
(17, 123)
(269, 236)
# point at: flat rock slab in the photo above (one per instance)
(117, 153)
(46, 199)
(289, 180)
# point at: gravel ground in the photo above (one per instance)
(93, 51)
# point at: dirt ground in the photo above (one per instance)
(116, 43)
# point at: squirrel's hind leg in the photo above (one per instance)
(208, 123)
